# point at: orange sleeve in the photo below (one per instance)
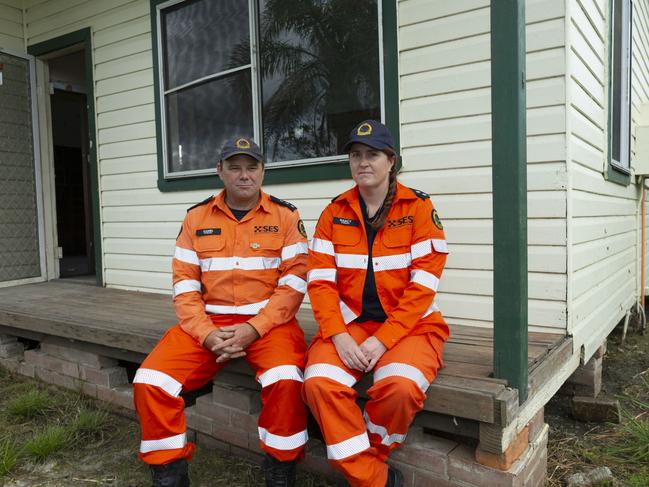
(291, 285)
(187, 288)
(322, 287)
(428, 251)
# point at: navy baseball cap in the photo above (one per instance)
(241, 145)
(372, 133)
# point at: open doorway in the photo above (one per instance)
(70, 143)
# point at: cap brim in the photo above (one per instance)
(374, 144)
(254, 155)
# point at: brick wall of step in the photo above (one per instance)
(226, 419)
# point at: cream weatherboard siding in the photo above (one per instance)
(583, 231)
(11, 25)
(445, 134)
(446, 129)
(604, 221)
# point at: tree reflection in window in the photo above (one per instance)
(319, 70)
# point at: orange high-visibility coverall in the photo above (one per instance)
(227, 272)
(408, 255)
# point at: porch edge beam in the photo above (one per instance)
(509, 180)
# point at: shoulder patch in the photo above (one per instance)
(204, 202)
(336, 197)
(420, 194)
(283, 203)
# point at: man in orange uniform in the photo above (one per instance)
(374, 267)
(238, 279)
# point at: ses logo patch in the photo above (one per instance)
(266, 229)
(400, 222)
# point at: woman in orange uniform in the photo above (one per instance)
(374, 267)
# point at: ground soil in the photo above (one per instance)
(575, 446)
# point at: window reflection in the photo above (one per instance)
(319, 62)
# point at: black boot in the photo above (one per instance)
(395, 478)
(278, 474)
(174, 474)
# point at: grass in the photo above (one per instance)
(49, 442)
(29, 405)
(624, 448)
(9, 456)
(56, 437)
(89, 423)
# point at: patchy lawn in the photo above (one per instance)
(55, 438)
(624, 448)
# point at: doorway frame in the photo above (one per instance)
(82, 37)
(38, 181)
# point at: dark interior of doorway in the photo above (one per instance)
(72, 178)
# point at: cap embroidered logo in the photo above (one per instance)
(364, 129)
(242, 144)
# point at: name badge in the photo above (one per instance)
(208, 231)
(346, 221)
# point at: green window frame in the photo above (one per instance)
(291, 174)
(618, 167)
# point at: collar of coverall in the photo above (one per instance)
(264, 202)
(403, 193)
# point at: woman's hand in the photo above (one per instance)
(349, 352)
(373, 350)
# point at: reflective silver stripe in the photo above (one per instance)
(246, 309)
(159, 379)
(351, 261)
(242, 263)
(391, 262)
(283, 442)
(348, 314)
(293, 281)
(421, 249)
(397, 369)
(329, 371)
(281, 372)
(186, 255)
(426, 279)
(169, 443)
(322, 246)
(431, 309)
(349, 447)
(292, 250)
(440, 246)
(321, 275)
(386, 439)
(186, 286)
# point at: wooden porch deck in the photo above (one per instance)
(126, 325)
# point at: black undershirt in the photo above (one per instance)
(371, 306)
(239, 214)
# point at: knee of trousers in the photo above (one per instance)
(397, 390)
(151, 400)
(321, 390)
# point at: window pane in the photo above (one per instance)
(616, 86)
(200, 118)
(320, 74)
(204, 37)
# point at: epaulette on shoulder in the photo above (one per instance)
(288, 205)
(420, 194)
(204, 202)
(335, 198)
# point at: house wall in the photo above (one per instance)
(11, 25)
(604, 223)
(445, 133)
